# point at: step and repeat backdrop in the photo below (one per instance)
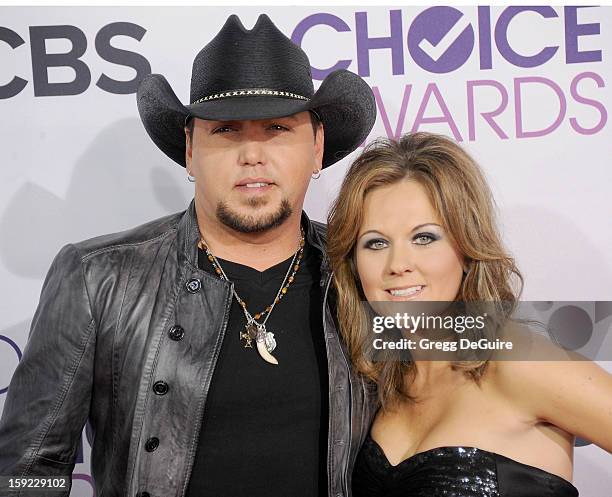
(527, 90)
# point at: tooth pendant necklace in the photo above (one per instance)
(254, 330)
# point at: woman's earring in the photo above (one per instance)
(190, 178)
(316, 174)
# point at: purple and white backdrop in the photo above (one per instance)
(527, 90)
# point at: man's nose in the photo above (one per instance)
(252, 148)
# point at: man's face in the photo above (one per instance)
(252, 175)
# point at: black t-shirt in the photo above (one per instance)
(264, 428)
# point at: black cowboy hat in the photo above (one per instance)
(257, 74)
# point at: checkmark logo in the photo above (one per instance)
(436, 51)
(440, 39)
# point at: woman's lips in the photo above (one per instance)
(405, 293)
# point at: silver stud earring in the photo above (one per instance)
(316, 174)
(190, 178)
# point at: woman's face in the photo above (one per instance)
(402, 252)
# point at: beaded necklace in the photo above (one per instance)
(254, 330)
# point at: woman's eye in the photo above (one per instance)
(376, 244)
(424, 238)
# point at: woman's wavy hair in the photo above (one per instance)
(459, 194)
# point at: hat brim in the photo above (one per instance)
(344, 102)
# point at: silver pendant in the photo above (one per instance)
(270, 341)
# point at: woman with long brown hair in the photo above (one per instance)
(414, 222)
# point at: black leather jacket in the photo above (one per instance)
(117, 315)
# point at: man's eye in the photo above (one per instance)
(278, 127)
(424, 238)
(222, 129)
(376, 244)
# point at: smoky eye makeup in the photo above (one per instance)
(425, 238)
(375, 243)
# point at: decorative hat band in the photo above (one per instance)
(250, 92)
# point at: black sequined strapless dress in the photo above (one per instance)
(452, 472)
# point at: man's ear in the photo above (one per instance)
(188, 149)
(319, 145)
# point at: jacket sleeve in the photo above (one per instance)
(48, 398)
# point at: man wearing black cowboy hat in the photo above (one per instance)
(201, 347)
